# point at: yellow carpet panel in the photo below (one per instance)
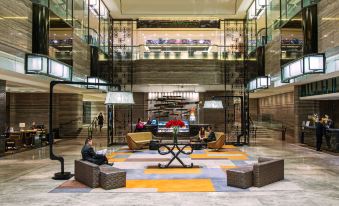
(173, 171)
(176, 185)
(110, 160)
(226, 156)
(229, 147)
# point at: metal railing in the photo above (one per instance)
(179, 51)
(91, 126)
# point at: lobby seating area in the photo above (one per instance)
(170, 103)
(137, 141)
(266, 171)
(94, 176)
(138, 163)
(219, 143)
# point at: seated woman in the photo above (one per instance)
(202, 134)
(89, 154)
(139, 127)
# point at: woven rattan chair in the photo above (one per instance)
(267, 171)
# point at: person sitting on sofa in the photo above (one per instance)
(139, 127)
(88, 154)
(211, 135)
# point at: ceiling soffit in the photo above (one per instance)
(188, 8)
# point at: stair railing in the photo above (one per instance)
(90, 127)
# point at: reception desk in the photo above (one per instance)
(193, 130)
(330, 139)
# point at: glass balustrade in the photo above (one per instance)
(163, 52)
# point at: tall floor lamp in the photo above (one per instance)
(117, 98)
(216, 103)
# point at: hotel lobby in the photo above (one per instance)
(127, 102)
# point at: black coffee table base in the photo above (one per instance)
(170, 150)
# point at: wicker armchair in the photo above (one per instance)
(267, 171)
(220, 136)
(87, 173)
(241, 177)
(139, 140)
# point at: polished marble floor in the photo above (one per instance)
(311, 178)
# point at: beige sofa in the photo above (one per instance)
(139, 140)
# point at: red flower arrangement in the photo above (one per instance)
(175, 123)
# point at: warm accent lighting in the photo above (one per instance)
(96, 80)
(309, 64)
(119, 98)
(44, 65)
(213, 104)
(258, 83)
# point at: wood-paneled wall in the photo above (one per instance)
(81, 57)
(16, 27)
(34, 107)
(328, 27)
(273, 54)
(278, 109)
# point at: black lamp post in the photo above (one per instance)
(62, 175)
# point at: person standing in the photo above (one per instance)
(100, 121)
(319, 132)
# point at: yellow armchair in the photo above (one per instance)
(220, 141)
(139, 140)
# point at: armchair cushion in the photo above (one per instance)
(138, 140)
(219, 143)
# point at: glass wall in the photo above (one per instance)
(63, 9)
(289, 8)
(251, 38)
(80, 23)
(104, 28)
(273, 17)
(233, 40)
(94, 13)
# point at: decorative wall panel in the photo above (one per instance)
(328, 30)
(81, 57)
(122, 51)
(16, 27)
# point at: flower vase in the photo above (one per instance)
(175, 134)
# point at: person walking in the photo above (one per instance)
(100, 121)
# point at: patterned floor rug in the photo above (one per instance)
(143, 174)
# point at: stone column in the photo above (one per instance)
(3, 108)
(310, 29)
(40, 29)
(94, 51)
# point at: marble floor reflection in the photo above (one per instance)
(311, 178)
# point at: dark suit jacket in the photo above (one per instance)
(89, 155)
(211, 137)
(319, 129)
